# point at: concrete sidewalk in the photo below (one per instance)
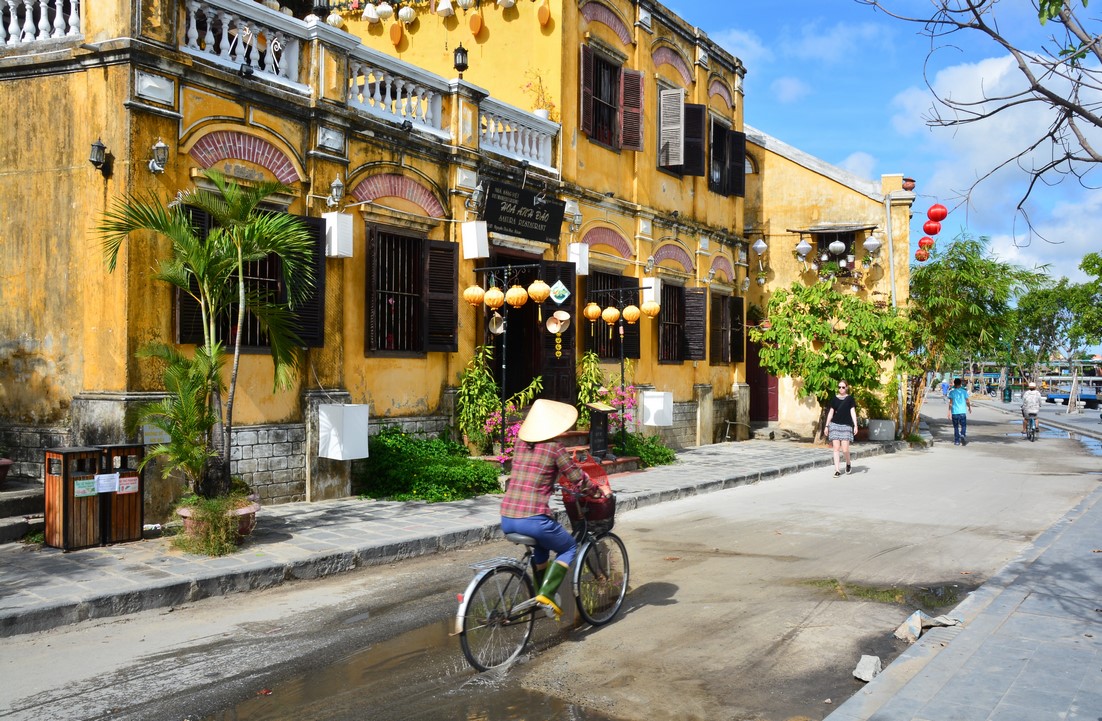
(1029, 646)
(42, 588)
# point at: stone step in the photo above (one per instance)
(14, 528)
(22, 504)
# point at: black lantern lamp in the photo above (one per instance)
(98, 154)
(460, 60)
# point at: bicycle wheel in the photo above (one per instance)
(1032, 431)
(601, 578)
(491, 634)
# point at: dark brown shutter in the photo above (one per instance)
(738, 330)
(372, 261)
(632, 343)
(696, 150)
(696, 321)
(631, 110)
(716, 346)
(189, 317)
(560, 376)
(736, 163)
(587, 70)
(309, 321)
(441, 296)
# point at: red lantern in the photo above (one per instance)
(937, 212)
(922, 255)
(926, 242)
(931, 227)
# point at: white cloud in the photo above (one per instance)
(861, 164)
(746, 46)
(789, 89)
(833, 44)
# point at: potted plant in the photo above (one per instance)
(542, 103)
(216, 526)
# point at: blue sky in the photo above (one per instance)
(845, 83)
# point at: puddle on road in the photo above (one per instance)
(420, 675)
(931, 599)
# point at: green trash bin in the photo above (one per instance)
(1006, 394)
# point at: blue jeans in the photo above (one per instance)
(960, 426)
(550, 534)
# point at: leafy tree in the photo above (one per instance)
(1059, 318)
(211, 269)
(819, 335)
(961, 301)
(1061, 75)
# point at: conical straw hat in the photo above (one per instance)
(546, 420)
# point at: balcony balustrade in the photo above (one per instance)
(28, 21)
(390, 89)
(245, 37)
(517, 134)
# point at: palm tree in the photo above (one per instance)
(210, 267)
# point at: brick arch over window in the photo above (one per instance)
(665, 55)
(677, 254)
(609, 237)
(392, 185)
(600, 13)
(718, 88)
(722, 264)
(230, 144)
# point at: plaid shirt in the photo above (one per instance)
(535, 468)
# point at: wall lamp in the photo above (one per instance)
(160, 157)
(336, 192)
(459, 58)
(478, 196)
(649, 267)
(99, 157)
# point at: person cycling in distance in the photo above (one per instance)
(1031, 404)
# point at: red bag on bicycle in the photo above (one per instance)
(599, 510)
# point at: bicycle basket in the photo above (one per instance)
(599, 513)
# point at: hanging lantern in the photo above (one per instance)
(931, 227)
(650, 308)
(444, 9)
(592, 311)
(926, 242)
(842, 263)
(837, 247)
(370, 13)
(803, 248)
(759, 246)
(610, 315)
(494, 298)
(473, 295)
(872, 244)
(506, 3)
(407, 14)
(937, 212)
(631, 314)
(516, 296)
(384, 10)
(922, 255)
(824, 257)
(539, 291)
(465, 4)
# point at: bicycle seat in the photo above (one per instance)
(521, 539)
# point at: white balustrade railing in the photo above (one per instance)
(28, 21)
(514, 133)
(246, 37)
(391, 89)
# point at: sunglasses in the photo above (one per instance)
(842, 386)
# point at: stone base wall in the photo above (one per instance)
(272, 460)
(27, 446)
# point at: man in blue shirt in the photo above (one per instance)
(960, 405)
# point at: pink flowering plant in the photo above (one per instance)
(492, 429)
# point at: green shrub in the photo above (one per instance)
(403, 468)
(215, 531)
(651, 450)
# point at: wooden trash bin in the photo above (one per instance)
(122, 512)
(72, 504)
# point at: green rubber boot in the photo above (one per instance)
(537, 574)
(551, 582)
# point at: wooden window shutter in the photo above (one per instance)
(632, 343)
(189, 317)
(738, 329)
(558, 365)
(696, 150)
(588, 72)
(631, 110)
(309, 321)
(441, 296)
(736, 163)
(696, 322)
(717, 349)
(671, 127)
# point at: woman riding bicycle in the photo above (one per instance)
(537, 461)
(1031, 404)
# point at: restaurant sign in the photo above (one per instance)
(522, 213)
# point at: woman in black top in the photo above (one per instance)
(840, 424)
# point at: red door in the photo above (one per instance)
(763, 387)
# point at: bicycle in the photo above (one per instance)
(497, 611)
(1031, 427)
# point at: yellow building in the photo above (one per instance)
(598, 145)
